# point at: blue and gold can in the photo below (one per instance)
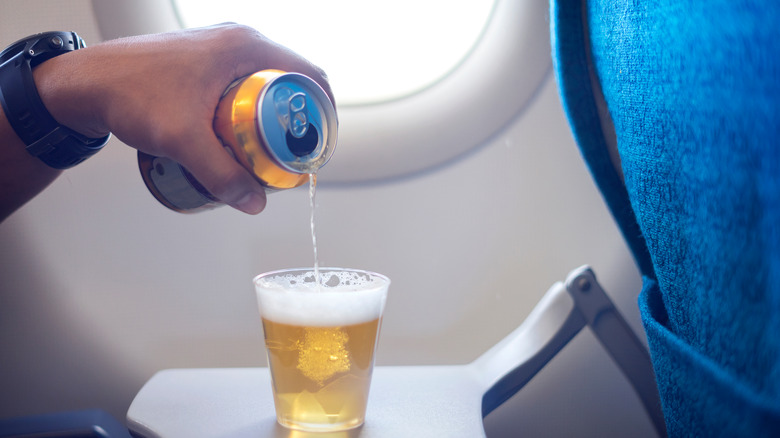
(280, 126)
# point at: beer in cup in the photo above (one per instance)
(320, 337)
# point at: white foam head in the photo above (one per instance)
(344, 296)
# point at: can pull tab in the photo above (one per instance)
(293, 116)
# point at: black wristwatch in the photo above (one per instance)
(56, 145)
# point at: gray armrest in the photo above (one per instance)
(510, 364)
(563, 311)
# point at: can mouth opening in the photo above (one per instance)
(303, 146)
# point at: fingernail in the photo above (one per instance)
(251, 203)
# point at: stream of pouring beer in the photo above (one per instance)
(312, 192)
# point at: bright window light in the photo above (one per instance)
(372, 50)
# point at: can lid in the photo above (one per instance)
(297, 123)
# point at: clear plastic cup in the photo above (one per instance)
(320, 338)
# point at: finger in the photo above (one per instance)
(285, 59)
(224, 177)
(251, 51)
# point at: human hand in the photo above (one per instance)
(158, 93)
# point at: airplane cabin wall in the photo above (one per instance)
(100, 286)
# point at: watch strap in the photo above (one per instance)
(56, 145)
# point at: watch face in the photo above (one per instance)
(43, 46)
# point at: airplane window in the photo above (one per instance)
(372, 51)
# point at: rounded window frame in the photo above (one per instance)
(422, 131)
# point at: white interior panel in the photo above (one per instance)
(101, 286)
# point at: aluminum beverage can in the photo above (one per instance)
(280, 126)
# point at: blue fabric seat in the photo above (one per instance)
(692, 90)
